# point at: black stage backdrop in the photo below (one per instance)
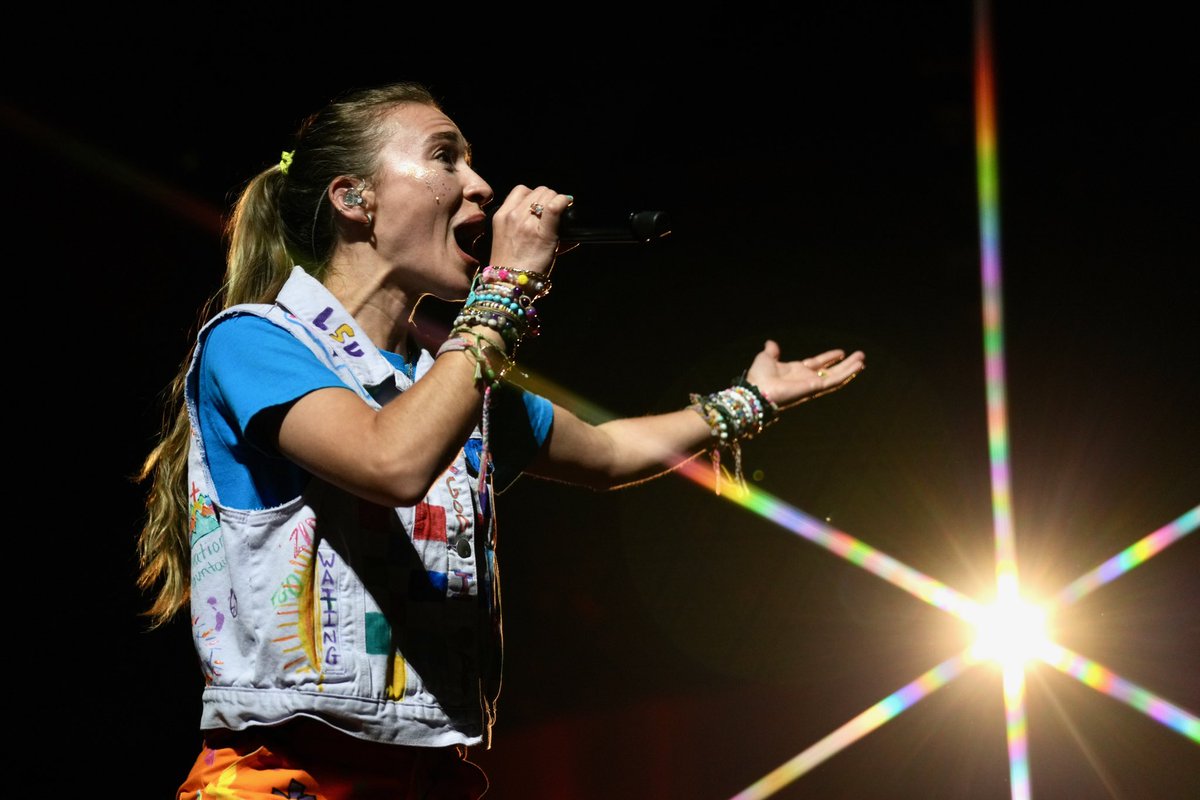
(820, 170)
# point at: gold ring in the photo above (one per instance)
(536, 209)
(820, 373)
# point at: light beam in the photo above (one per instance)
(1091, 674)
(1137, 553)
(886, 709)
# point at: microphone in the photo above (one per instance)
(638, 226)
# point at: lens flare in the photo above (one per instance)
(1010, 632)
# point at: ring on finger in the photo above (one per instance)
(536, 209)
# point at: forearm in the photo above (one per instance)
(626, 450)
(393, 455)
(619, 451)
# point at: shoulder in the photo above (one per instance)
(247, 359)
(243, 331)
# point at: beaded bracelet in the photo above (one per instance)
(534, 284)
(502, 299)
(733, 415)
(769, 408)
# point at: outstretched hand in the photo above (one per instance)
(787, 383)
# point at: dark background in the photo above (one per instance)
(819, 167)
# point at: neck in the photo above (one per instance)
(380, 307)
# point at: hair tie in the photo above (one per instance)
(285, 161)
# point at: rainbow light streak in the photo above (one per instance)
(581, 407)
(1015, 728)
(108, 166)
(848, 547)
(1007, 585)
(993, 324)
(855, 729)
(854, 550)
(1090, 673)
(1131, 556)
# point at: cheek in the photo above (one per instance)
(435, 181)
(439, 185)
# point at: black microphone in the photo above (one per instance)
(639, 226)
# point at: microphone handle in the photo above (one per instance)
(640, 226)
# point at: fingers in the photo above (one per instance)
(835, 375)
(542, 203)
(828, 358)
(525, 227)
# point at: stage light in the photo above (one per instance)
(1010, 631)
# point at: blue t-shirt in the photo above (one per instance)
(250, 365)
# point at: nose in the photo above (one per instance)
(477, 190)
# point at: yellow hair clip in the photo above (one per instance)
(285, 161)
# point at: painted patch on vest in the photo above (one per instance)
(379, 643)
(208, 551)
(379, 634)
(429, 523)
(203, 519)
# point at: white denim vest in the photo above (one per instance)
(382, 622)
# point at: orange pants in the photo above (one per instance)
(305, 761)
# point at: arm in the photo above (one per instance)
(393, 455)
(623, 450)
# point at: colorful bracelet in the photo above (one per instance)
(502, 299)
(769, 408)
(734, 415)
(534, 284)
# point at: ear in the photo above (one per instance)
(350, 198)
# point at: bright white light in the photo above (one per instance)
(1010, 632)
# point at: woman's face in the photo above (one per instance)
(427, 203)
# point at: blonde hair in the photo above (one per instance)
(280, 219)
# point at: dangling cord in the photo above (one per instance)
(719, 473)
(716, 462)
(485, 455)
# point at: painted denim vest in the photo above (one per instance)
(383, 622)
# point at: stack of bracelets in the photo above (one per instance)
(501, 299)
(740, 412)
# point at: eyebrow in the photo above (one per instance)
(453, 138)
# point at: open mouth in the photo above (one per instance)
(468, 235)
